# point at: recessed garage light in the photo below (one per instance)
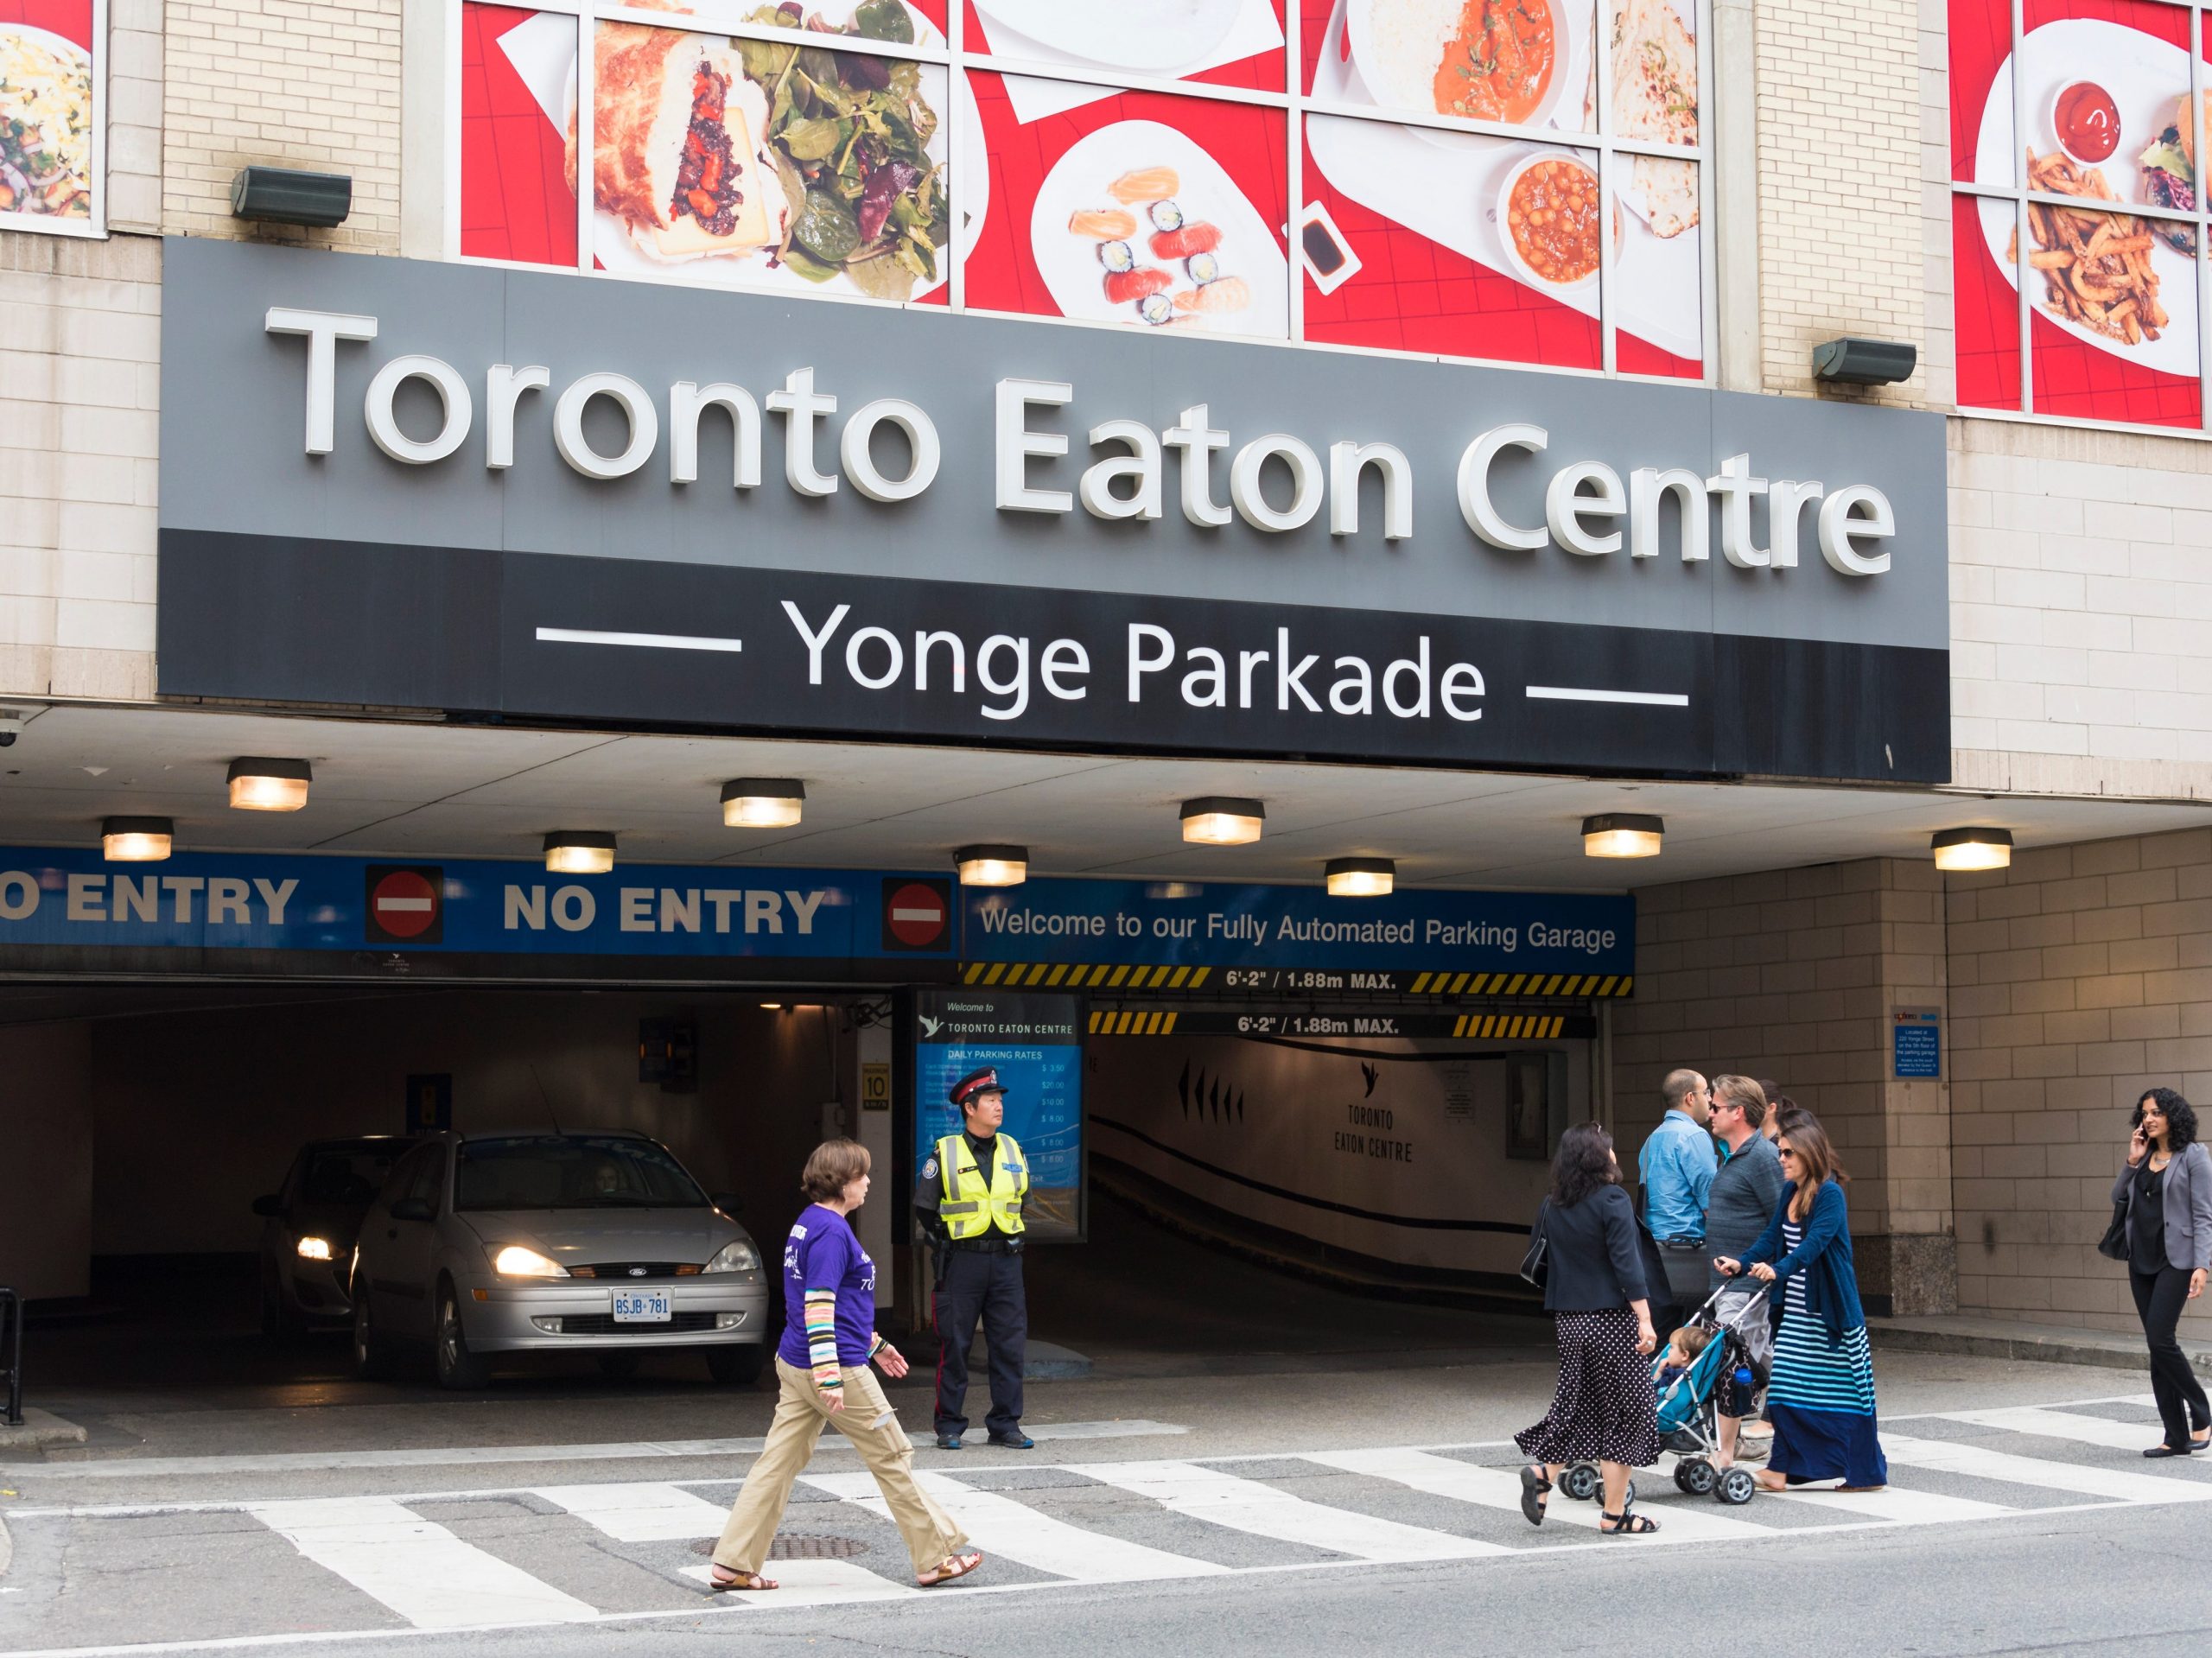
(763, 803)
(1223, 820)
(1360, 877)
(136, 840)
(579, 852)
(991, 864)
(1623, 835)
(1973, 849)
(259, 784)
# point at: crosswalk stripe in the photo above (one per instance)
(814, 1583)
(640, 1513)
(1894, 1503)
(418, 1568)
(1225, 1499)
(1500, 1488)
(2110, 1483)
(999, 1525)
(2064, 1425)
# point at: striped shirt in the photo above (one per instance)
(1808, 1374)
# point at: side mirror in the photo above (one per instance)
(268, 1205)
(411, 1209)
(728, 1202)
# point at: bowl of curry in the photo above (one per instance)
(1548, 213)
(1497, 60)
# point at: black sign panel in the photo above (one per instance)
(674, 645)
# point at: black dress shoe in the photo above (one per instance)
(1016, 1442)
(2164, 1450)
(948, 1442)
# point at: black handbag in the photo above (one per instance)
(2113, 1245)
(1535, 1266)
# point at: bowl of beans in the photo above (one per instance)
(1548, 211)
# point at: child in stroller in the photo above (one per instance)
(1704, 1357)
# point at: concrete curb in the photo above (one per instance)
(2034, 1343)
(40, 1428)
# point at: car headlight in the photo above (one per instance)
(315, 1248)
(515, 1261)
(738, 1257)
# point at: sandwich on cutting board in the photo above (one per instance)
(679, 153)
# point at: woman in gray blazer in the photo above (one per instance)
(2167, 1186)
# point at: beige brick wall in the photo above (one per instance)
(302, 83)
(1842, 241)
(134, 115)
(2080, 977)
(79, 386)
(1793, 974)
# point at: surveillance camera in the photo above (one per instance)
(11, 726)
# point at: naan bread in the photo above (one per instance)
(1654, 99)
(641, 113)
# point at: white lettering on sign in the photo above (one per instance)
(1124, 479)
(663, 910)
(127, 900)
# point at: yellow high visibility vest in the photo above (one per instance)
(969, 1207)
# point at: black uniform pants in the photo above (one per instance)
(989, 1285)
(2160, 1298)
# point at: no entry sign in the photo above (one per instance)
(916, 913)
(406, 904)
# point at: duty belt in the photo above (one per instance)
(991, 1243)
(1681, 1244)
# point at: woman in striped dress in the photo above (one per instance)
(1822, 1393)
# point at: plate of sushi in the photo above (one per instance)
(1136, 225)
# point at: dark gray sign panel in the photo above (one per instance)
(463, 550)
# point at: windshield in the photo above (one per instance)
(341, 1177)
(570, 1171)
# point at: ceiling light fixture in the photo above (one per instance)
(1973, 849)
(136, 840)
(579, 852)
(1360, 877)
(763, 803)
(1622, 834)
(259, 785)
(1223, 820)
(991, 864)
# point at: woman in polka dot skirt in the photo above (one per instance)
(1603, 1409)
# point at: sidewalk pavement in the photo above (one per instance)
(40, 1429)
(2017, 1338)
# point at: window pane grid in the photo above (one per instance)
(1642, 182)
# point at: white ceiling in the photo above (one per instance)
(421, 790)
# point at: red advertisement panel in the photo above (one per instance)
(906, 22)
(1985, 306)
(48, 49)
(1214, 42)
(1981, 41)
(2112, 337)
(1139, 208)
(516, 200)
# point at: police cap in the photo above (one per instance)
(975, 1085)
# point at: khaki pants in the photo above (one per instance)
(869, 1422)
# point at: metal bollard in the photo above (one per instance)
(11, 1324)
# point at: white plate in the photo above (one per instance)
(2146, 78)
(1521, 268)
(1069, 262)
(1571, 25)
(1146, 35)
(543, 52)
(642, 1307)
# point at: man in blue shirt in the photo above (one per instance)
(1676, 1167)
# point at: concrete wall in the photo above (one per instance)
(1793, 975)
(2080, 977)
(45, 1161)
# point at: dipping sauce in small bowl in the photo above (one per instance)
(2086, 120)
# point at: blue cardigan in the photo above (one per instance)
(1824, 1256)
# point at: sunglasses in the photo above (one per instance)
(1785, 1152)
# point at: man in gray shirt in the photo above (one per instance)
(1746, 1189)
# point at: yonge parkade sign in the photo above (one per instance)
(539, 495)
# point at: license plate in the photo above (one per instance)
(641, 1306)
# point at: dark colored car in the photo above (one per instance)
(313, 1222)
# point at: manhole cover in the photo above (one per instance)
(788, 1547)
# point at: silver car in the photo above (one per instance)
(595, 1243)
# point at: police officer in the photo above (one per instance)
(970, 1198)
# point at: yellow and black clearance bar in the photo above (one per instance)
(1062, 976)
(1464, 1026)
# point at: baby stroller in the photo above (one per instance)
(1688, 1407)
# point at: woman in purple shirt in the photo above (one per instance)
(822, 1365)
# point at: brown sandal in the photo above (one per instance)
(741, 1583)
(953, 1566)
